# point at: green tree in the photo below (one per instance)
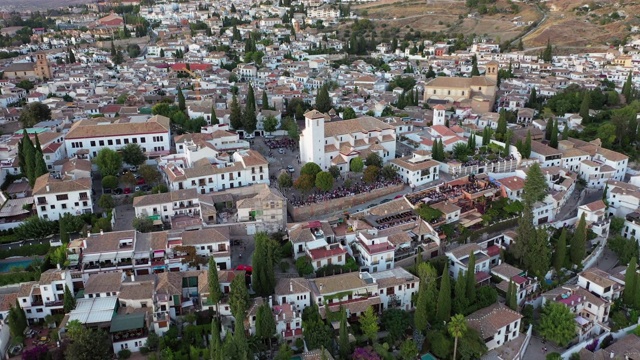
(356, 165)
(181, 101)
(270, 123)
(348, 113)
(323, 101)
(557, 323)
(251, 97)
(553, 142)
(408, 350)
(109, 182)
(561, 251)
(369, 324)
(535, 185)
(265, 323)
(460, 302)
(109, 162)
(239, 298)
(304, 183)
(472, 345)
(33, 113)
(565, 132)
(547, 55)
(215, 349)
(235, 115)
(548, 129)
(371, 174)
(512, 300)
(578, 245)
(89, 345)
(312, 169)
(285, 181)
(249, 119)
(630, 283)
(507, 143)
(142, 224)
(627, 88)
(40, 165)
(344, 345)
(132, 154)
(474, 66)
(25, 84)
(215, 294)
(284, 352)
(471, 278)
(457, 327)
(395, 322)
(214, 117)
(265, 100)
(373, 159)
(64, 232)
(106, 202)
(324, 181)
(150, 174)
(17, 321)
(263, 277)
(585, 106)
(526, 153)
(533, 98)
(69, 302)
(444, 297)
(501, 130)
(72, 57)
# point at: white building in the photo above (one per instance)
(417, 169)
(46, 296)
(601, 283)
(496, 324)
(396, 288)
(373, 252)
(596, 217)
(294, 291)
(459, 261)
(329, 143)
(54, 197)
(87, 137)
(623, 198)
(246, 167)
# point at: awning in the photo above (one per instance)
(90, 257)
(157, 222)
(187, 304)
(158, 253)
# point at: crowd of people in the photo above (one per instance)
(487, 161)
(285, 143)
(395, 220)
(341, 192)
(448, 192)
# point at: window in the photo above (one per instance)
(143, 140)
(53, 207)
(126, 141)
(62, 197)
(134, 140)
(64, 206)
(93, 143)
(110, 142)
(101, 142)
(118, 142)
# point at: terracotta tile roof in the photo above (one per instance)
(489, 320)
(25, 289)
(598, 277)
(137, 290)
(107, 242)
(323, 253)
(292, 286)
(596, 205)
(165, 198)
(337, 283)
(86, 129)
(512, 183)
(204, 236)
(103, 282)
(362, 124)
(57, 186)
(49, 276)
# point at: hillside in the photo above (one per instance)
(563, 21)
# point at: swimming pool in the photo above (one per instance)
(428, 356)
(22, 263)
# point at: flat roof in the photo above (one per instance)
(127, 322)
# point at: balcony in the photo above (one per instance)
(141, 262)
(54, 303)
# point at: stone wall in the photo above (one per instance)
(313, 211)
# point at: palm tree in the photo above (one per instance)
(457, 327)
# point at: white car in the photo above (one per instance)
(291, 169)
(281, 151)
(249, 136)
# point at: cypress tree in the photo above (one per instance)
(69, 302)
(265, 100)
(501, 130)
(214, 117)
(323, 101)
(72, 57)
(471, 278)
(181, 102)
(344, 345)
(512, 300)
(161, 53)
(565, 132)
(630, 283)
(474, 66)
(29, 153)
(628, 87)
(443, 312)
(547, 55)
(553, 142)
(527, 146)
(41, 166)
(249, 120)
(507, 142)
(533, 98)
(460, 303)
(251, 98)
(235, 117)
(215, 350)
(548, 129)
(584, 107)
(113, 49)
(561, 251)
(579, 242)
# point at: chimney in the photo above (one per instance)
(58, 266)
(47, 187)
(133, 277)
(612, 355)
(290, 286)
(321, 286)
(101, 232)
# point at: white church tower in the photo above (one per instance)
(312, 138)
(439, 117)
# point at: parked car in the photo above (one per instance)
(246, 268)
(106, 191)
(281, 151)
(140, 181)
(127, 190)
(118, 191)
(249, 136)
(145, 188)
(398, 196)
(269, 136)
(133, 169)
(385, 201)
(291, 169)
